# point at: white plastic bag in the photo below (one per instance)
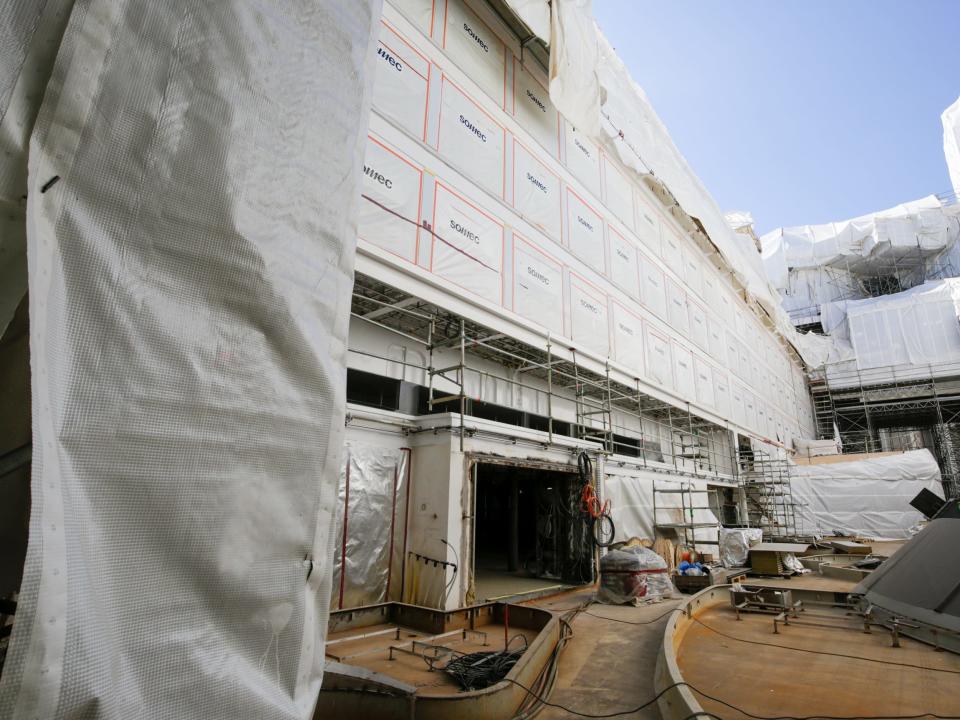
(735, 544)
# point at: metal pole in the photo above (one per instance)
(580, 430)
(643, 441)
(513, 555)
(430, 367)
(608, 414)
(461, 372)
(549, 389)
(673, 443)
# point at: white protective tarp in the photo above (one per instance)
(468, 245)
(588, 316)
(536, 191)
(471, 138)
(538, 285)
(632, 503)
(918, 327)
(815, 448)
(391, 186)
(535, 14)
(585, 231)
(812, 264)
(739, 219)
(592, 88)
(190, 267)
(400, 81)
(951, 142)
(29, 38)
(735, 544)
(868, 498)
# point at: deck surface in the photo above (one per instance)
(373, 652)
(496, 584)
(723, 657)
(607, 666)
(810, 581)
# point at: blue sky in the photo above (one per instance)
(800, 111)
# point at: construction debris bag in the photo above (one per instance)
(633, 575)
(735, 545)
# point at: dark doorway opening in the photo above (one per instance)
(530, 533)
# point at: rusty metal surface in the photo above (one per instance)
(363, 637)
(745, 664)
(607, 666)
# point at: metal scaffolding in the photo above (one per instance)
(682, 520)
(893, 408)
(609, 414)
(765, 479)
(857, 277)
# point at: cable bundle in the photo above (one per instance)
(479, 670)
(598, 515)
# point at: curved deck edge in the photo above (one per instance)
(679, 703)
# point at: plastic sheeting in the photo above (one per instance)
(739, 219)
(868, 498)
(28, 46)
(633, 574)
(632, 503)
(591, 87)
(193, 188)
(535, 14)
(735, 544)
(917, 327)
(468, 245)
(814, 264)
(951, 143)
(816, 448)
(541, 245)
(371, 526)
(852, 241)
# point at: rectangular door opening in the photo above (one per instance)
(530, 533)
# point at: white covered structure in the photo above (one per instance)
(542, 210)
(951, 143)
(867, 498)
(908, 335)
(812, 265)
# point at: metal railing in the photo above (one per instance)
(463, 356)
